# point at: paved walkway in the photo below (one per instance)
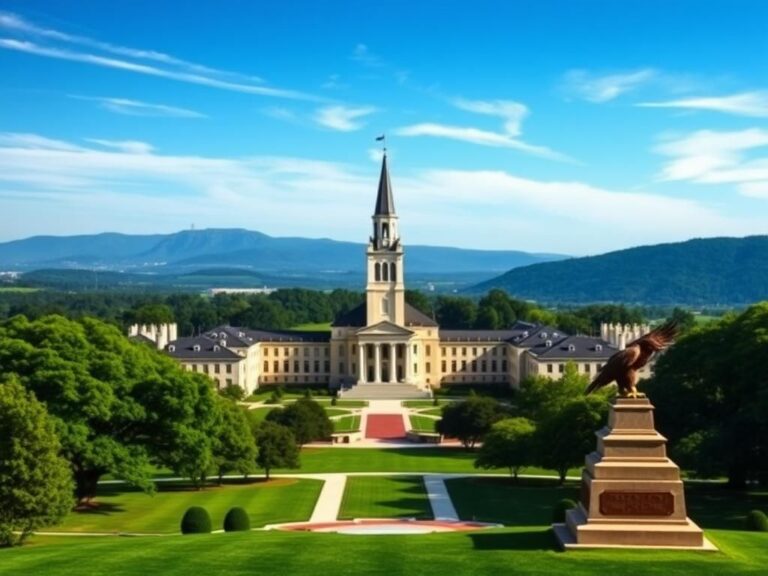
(329, 502)
(439, 499)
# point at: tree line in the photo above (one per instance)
(286, 308)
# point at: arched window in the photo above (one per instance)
(385, 272)
(377, 272)
(393, 272)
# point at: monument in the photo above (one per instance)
(631, 492)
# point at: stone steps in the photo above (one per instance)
(385, 392)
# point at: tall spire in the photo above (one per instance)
(385, 205)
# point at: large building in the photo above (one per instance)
(384, 341)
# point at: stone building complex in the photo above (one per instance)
(384, 341)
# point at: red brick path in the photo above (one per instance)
(385, 426)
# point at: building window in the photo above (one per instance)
(327, 366)
(453, 365)
(377, 272)
(266, 351)
(393, 275)
(463, 351)
(463, 365)
(415, 349)
(484, 366)
(587, 368)
(561, 368)
(442, 365)
(549, 368)
(306, 352)
(474, 365)
(385, 272)
(429, 350)
(306, 366)
(276, 366)
(205, 368)
(286, 366)
(503, 365)
(415, 368)
(341, 367)
(266, 365)
(493, 365)
(453, 351)
(296, 366)
(317, 365)
(217, 368)
(429, 367)
(229, 368)
(442, 351)
(493, 352)
(474, 351)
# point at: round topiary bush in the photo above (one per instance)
(757, 521)
(558, 513)
(196, 520)
(237, 520)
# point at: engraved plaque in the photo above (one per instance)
(637, 503)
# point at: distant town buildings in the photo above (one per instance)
(385, 341)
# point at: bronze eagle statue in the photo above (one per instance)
(622, 367)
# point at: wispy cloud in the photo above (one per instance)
(753, 104)
(603, 88)
(512, 113)
(91, 184)
(127, 146)
(343, 118)
(362, 54)
(138, 108)
(57, 45)
(718, 157)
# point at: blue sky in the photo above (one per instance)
(572, 127)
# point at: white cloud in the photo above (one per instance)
(717, 157)
(364, 56)
(17, 24)
(511, 112)
(134, 188)
(127, 146)
(137, 108)
(603, 88)
(133, 60)
(343, 118)
(753, 104)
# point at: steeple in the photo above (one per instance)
(385, 205)
(385, 287)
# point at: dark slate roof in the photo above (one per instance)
(576, 347)
(385, 205)
(243, 337)
(208, 349)
(532, 335)
(358, 317)
(476, 335)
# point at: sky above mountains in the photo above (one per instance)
(574, 126)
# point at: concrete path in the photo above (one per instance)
(329, 501)
(439, 499)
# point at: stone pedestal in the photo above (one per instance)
(631, 493)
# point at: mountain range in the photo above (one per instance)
(711, 272)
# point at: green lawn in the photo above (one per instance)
(510, 552)
(336, 411)
(258, 414)
(432, 412)
(326, 460)
(18, 289)
(347, 424)
(122, 509)
(424, 403)
(422, 423)
(385, 497)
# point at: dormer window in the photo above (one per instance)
(598, 347)
(543, 335)
(171, 348)
(548, 343)
(196, 348)
(215, 334)
(216, 348)
(571, 348)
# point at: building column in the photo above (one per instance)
(361, 363)
(408, 364)
(392, 363)
(377, 363)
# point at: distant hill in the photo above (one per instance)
(236, 248)
(728, 271)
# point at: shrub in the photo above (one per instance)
(196, 520)
(757, 521)
(558, 513)
(334, 401)
(237, 520)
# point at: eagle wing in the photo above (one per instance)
(617, 365)
(659, 338)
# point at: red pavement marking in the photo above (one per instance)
(385, 426)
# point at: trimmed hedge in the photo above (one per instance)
(757, 521)
(558, 513)
(196, 520)
(237, 520)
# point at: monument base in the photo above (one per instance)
(631, 493)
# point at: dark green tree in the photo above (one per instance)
(234, 449)
(305, 418)
(470, 420)
(276, 447)
(35, 481)
(509, 444)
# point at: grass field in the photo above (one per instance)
(122, 509)
(326, 460)
(525, 551)
(422, 423)
(346, 424)
(385, 497)
(334, 411)
(260, 413)
(425, 403)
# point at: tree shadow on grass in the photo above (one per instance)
(99, 509)
(527, 540)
